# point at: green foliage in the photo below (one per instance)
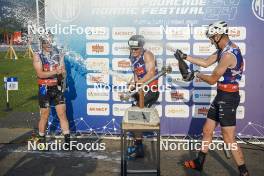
(25, 99)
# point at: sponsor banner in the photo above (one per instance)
(155, 48)
(203, 96)
(119, 109)
(177, 33)
(97, 48)
(98, 94)
(175, 80)
(240, 112)
(116, 95)
(97, 33)
(237, 33)
(177, 111)
(121, 79)
(120, 48)
(173, 62)
(242, 82)
(242, 47)
(184, 47)
(123, 33)
(97, 78)
(98, 109)
(199, 33)
(151, 33)
(242, 94)
(203, 49)
(200, 111)
(95, 64)
(202, 69)
(197, 82)
(121, 64)
(178, 95)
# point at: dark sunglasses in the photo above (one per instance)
(134, 49)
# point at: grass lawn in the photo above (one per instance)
(25, 99)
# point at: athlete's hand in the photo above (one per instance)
(191, 76)
(180, 55)
(59, 70)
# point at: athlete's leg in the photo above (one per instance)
(61, 112)
(44, 116)
(229, 139)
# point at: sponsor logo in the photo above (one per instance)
(242, 96)
(121, 79)
(155, 48)
(97, 48)
(178, 33)
(98, 109)
(153, 33)
(116, 95)
(121, 64)
(258, 9)
(96, 64)
(184, 47)
(203, 49)
(237, 33)
(200, 111)
(203, 96)
(120, 48)
(123, 33)
(97, 78)
(200, 33)
(177, 111)
(119, 109)
(240, 112)
(97, 33)
(65, 12)
(96, 94)
(174, 63)
(177, 96)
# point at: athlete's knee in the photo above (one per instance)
(44, 114)
(208, 130)
(228, 136)
(61, 114)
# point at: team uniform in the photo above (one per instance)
(139, 69)
(49, 87)
(223, 108)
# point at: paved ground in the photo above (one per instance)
(16, 160)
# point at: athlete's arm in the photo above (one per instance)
(203, 62)
(150, 67)
(228, 60)
(62, 64)
(38, 68)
